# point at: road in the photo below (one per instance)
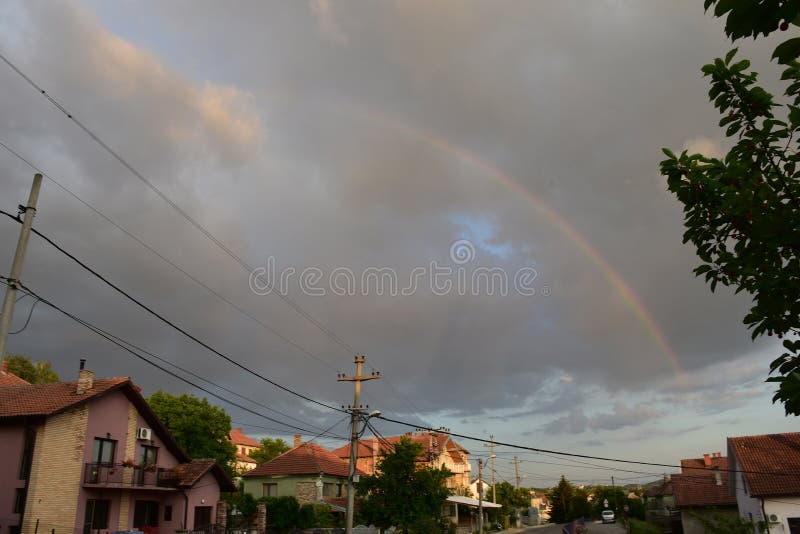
(593, 528)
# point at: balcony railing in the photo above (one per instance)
(119, 475)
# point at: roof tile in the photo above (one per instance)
(305, 459)
(47, 399)
(771, 463)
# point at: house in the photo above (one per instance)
(659, 503)
(485, 488)
(307, 471)
(8, 378)
(702, 490)
(541, 505)
(244, 446)
(765, 479)
(91, 456)
(439, 449)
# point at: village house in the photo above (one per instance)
(90, 456)
(439, 449)
(702, 490)
(765, 479)
(244, 446)
(308, 471)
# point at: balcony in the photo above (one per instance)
(103, 475)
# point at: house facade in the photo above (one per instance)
(439, 450)
(765, 479)
(244, 446)
(308, 472)
(90, 456)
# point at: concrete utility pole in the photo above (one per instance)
(480, 495)
(516, 471)
(492, 456)
(355, 415)
(16, 267)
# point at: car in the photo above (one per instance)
(608, 516)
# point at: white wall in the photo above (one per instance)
(784, 507)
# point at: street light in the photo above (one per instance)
(352, 467)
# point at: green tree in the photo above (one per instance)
(742, 211)
(579, 506)
(614, 496)
(200, 428)
(269, 449)
(39, 372)
(402, 493)
(510, 497)
(559, 498)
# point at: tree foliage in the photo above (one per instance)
(510, 497)
(402, 493)
(39, 372)
(269, 449)
(742, 211)
(718, 522)
(200, 428)
(559, 498)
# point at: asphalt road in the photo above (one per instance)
(594, 528)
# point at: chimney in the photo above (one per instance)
(717, 455)
(707, 460)
(298, 439)
(85, 379)
(717, 477)
(5, 367)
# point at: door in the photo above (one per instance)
(145, 516)
(202, 518)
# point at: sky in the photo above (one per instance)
(465, 192)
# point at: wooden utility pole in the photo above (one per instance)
(28, 211)
(355, 415)
(492, 456)
(516, 471)
(480, 495)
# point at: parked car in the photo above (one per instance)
(608, 516)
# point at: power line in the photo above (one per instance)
(169, 322)
(180, 269)
(95, 137)
(133, 349)
(578, 455)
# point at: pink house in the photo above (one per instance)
(91, 457)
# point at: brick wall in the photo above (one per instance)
(56, 473)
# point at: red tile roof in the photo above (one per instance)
(690, 466)
(244, 458)
(8, 378)
(771, 463)
(237, 437)
(48, 399)
(305, 459)
(431, 441)
(702, 490)
(190, 473)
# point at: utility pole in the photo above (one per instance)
(492, 456)
(614, 489)
(516, 471)
(355, 415)
(480, 495)
(29, 211)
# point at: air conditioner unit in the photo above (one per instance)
(144, 433)
(774, 518)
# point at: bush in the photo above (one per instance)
(640, 527)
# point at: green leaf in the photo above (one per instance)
(669, 153)
(729, 55)
(787, 51)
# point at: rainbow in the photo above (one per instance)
(629, 297)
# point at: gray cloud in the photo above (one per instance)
(334, 134)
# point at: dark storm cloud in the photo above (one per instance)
(364, 135)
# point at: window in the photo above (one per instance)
(19, 501)
(269, 490)
(331, 490)
(96, 516)
(148, 456)
(794, 525)
(27, 454)
(168, 512)
(145, 514)
(103, 451)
